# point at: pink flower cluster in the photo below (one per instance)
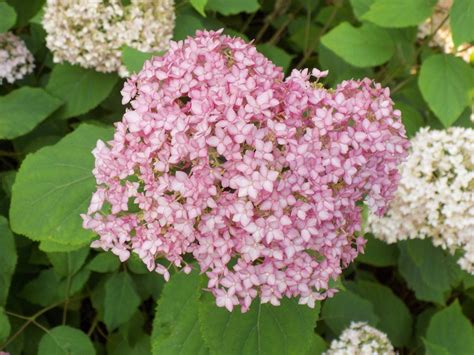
(258, 177)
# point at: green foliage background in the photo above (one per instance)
(58, 296)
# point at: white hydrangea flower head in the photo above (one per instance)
(361, 339)
(91, 33)
(435, 196)
(16, 61)
(443, 37)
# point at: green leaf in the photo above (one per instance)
(445, 82)
(176, 326)
(68, 264)
(25, 10)
(277, 55)
(133, 59)
(394, 315)
(450, 329)
(426, 269)
(318, 345)
(233, 7)
(360, 7)
(433, 349)
(50, 246)
(121, 300)
(345, 307)
(18, 118)
(54, 185)
(104, 262)
(8, 259)
(199, 6)
(365, 46)
(264, 329)
(411, 118)
(7, 18)
(4, 326)
(65, 340)
(378, 253)
(462, 21)
(399, 13)
(49, 287)
(81, 89)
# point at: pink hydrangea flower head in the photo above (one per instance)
(256, 176)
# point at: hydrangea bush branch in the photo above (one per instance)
(92, 33)
(258, 177)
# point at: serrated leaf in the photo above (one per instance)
(199, 6)
(67, 264)
(18, 118)
(364, 46)
(264, 329)
(121, 300)
(53, 187)
(445, 82)
(104, 262)
(426, 269)
(50, 246)
(233, 7)
(176, 326)
(399, 13)
(345, 307)
(378, 253)
(80, 89)
(450, 329)
(461, 20)
(65, 340)
(395, 318)
(4, 325)
(48, 287)
(7, 18)
(318, 345)
(8, 259)
(277, 55)
(133, 59)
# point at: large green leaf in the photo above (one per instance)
(264, 329)
(365, 46)
(4, 326)
(445, 82)
(67, 264)
(233, 7)
(7, 17)
(49, 287)
(8, 259)
(462, 21)
(395, 318)
(360, 7)
(199, 6)
(399, 13)
(54, 185)
(121, 300)
(26, 10)
(133, 59)
(378, 253)
(277, 55)
(104, 262)
(22, 109)
(176, 326)
(428, 270)
(345, 307)
(80, 89)
(65, 340)
(451, 330)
